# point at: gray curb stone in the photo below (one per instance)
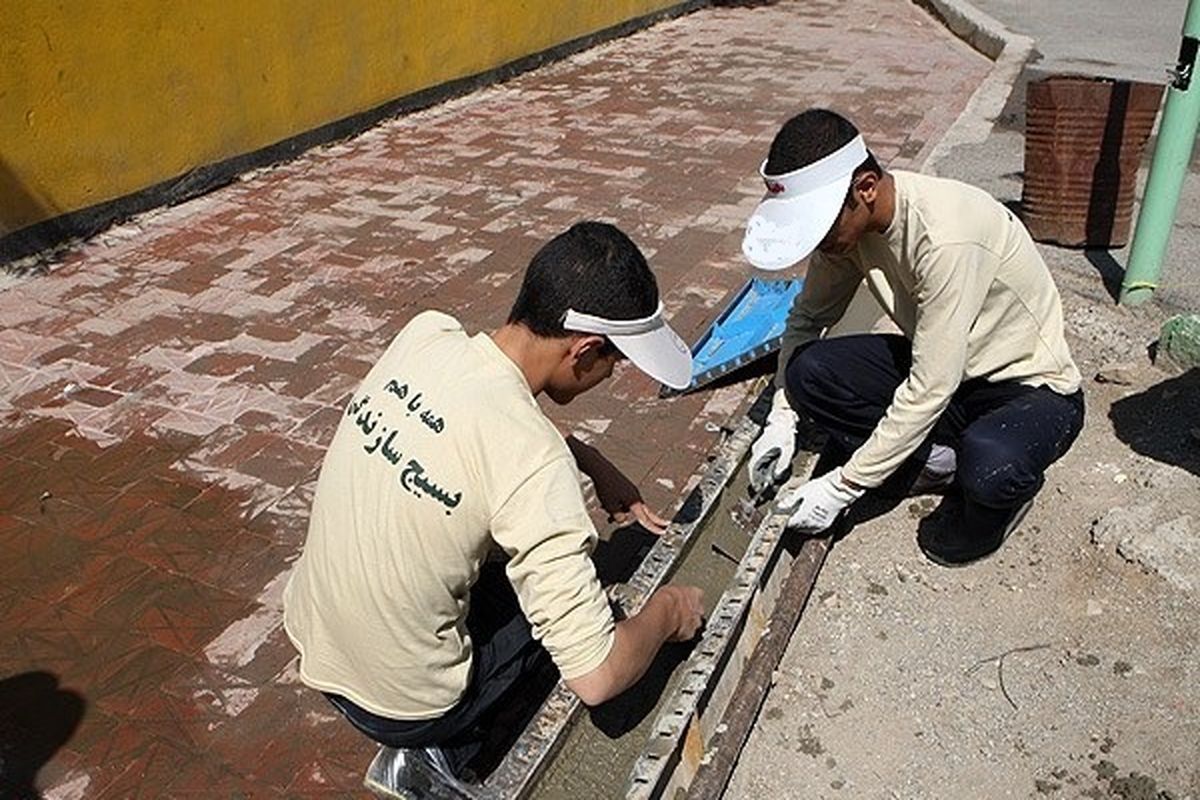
(1009, 53)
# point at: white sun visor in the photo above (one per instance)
(800, 208)
(649, 343)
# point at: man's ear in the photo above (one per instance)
(866, 186)
(584, 350)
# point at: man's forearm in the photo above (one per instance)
(586, 456)
(635, 643)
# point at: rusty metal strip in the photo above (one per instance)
(722, 750)
(542, 737)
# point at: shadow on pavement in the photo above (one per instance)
(1163, 421)
(618, 558)
(36, 719)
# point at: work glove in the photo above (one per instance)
(816, 504)
(772, 452)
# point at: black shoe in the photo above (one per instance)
(980, 533)
(938, 471)
(921, 476)
(931, 482)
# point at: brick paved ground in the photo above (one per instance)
(169, 387)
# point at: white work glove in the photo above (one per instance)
(772, 452)
(818, 502)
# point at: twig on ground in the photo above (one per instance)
(999, 660)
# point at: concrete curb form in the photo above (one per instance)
(1008, 50)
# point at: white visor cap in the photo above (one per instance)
(649, 343)
(800, 208)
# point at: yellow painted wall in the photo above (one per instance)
(100, 99)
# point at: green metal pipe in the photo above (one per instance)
(1172, 153)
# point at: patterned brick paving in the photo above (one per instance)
(166, 392)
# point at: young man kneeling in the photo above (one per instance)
(444, 457)
(978, 390)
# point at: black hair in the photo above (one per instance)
(591, 267)
(810, 136)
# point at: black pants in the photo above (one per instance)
(1004, 434)
(504, 652)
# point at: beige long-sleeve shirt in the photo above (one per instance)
(442, 454)
(961, 278)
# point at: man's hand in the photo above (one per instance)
(617, 494)
(818, 502)
(772, 452)
(641, 513)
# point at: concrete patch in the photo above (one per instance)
(1170, 549)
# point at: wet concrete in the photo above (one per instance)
(600, 746)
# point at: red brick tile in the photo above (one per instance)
(284, 463)
(50, 566)
(263, 422)
(224, 364)
(66, 452)
(20, 490)
(220, 504)
(127, 462)
(98, 398)
(318, 428)
(285, 528)
(165, 602)
(319, 353)
(307, 383)
(189, 721)
(50, 394)
(129, 416)
(241, 565)
(68, 350)
(335, 767)
(176, 441)
(271, 658)
(207, 776)
(272, 332)
(18, 611)
(220, 695)
(95, 726)
(170, 489)
(151, 763)
(70, 774)
(267, 728)
(126, 377)
(54, 640)
(232, 446)
(335, 389)
(222, 559)
(102, 578)
(29, 436)
(263, 370)
(110, 524)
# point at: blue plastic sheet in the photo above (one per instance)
(749, 328)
